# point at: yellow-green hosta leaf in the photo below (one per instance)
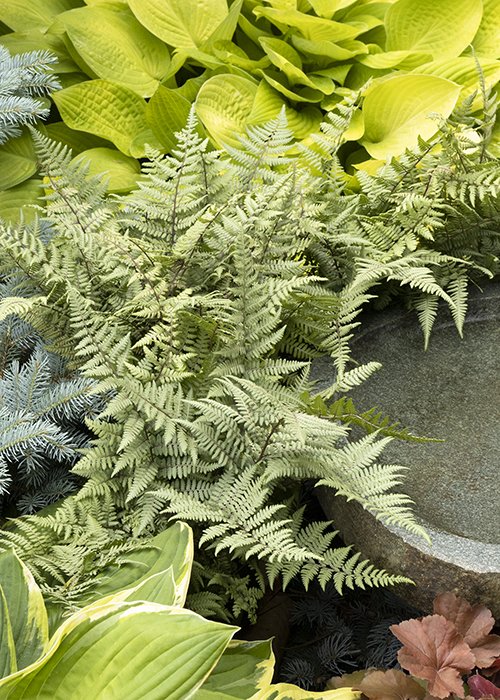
(279, 82)
(166, 114)
(268, 104)
(20, 196)
(327, 8)
(486, 43)
(139, 144)
(327, 49)
(117, 47)
(131, 651)
(171, 548)
(37, 40)
(230, 53)
(8, 663)
(390, 59)
(225, 30)
(78, 141)
(284, 691)
(313, 28)
(180, 23)
(243, 669)
(395, 112)
(21, 15)
(224, 104)
(462, 70)
(28, 617)
(122, 171)
(443, 29)
(17, 161)
(105, 109)
(284, 57)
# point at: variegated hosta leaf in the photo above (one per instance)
(243, 669)
(284, 691)
(171, 549)
(131, 651)
(181, 23)
(26, 609)
(8, 662)
(118, 48)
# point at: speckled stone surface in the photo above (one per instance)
(451, 391)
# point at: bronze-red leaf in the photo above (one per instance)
(479, 687)
(434, 651)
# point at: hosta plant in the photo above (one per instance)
(439, 652)
(133, 639)
(131, 70)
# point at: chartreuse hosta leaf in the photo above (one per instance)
(17, 160)
(268, 104)
(224, 104)
(117, 47)
(122, 171)
(284, 57)
(327, 8)
(21, 15)
(487, 40)
(26, 610)
(20, 196)
(37, 40)
(243, 669)
(166, 113)
(105, 109)
(443, 29)
(312, 28)
(131, 651)
(284, 691)
(395, 112)
(78, 141)
(462, 70)
(180, 23)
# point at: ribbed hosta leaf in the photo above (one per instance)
(395, 112)
(20, 196)
(180, 23)
(487, 40)
(122, 171)
(166, 113)
(443, 29)
(105, 109)
(28, 617)
(35, 40)
(131, 651)
(224, 104)
(312, 28)
(22, 15)
(118, 48)
(17, 160)
(243, 669)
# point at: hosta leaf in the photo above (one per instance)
(284, 691)
(181, 23)
(434, 651)
(443, 29)
(28, 617)
(225, 30)
(327, 49)
(17, 161)
(327, 8)
(8, 663)
(131, 651)
(230, 53)
(224, 104)
(284, 57)
(22, 15)
(268, 104)
(37, 40)
(313, 28)
(243, 669)
(139, 143)
(171, 548)
(122, 171)
(462, 70)
(487, 40)
(391, 685)
(395, 112)
(104, 109)
(20, 196)
(167, 113)
(279, 82)
(390, 59)
(78, 141)
(118, 48)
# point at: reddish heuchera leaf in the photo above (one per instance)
(479, 687)
(391, 685)
(474, 623)
(434, 651)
